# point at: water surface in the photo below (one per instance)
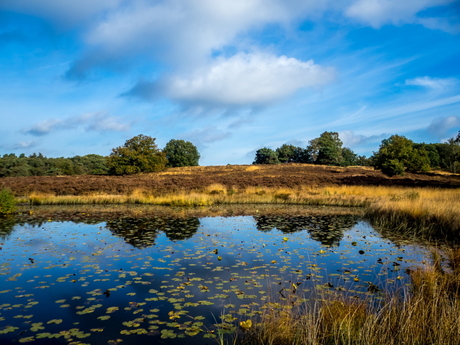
(176, 280)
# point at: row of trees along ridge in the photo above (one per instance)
(139, 154)
(396, 154)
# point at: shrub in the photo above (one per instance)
(7, 201)
(393, 167)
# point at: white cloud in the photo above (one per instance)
(247, 79)
(350, 139)
(193, 29)
(432, 83)
(377, 13)
(186, 33)
(100, 122)
(206, 135)
(47, 126)
(183, 33)
(449, 25)
(442, 125)
(25, 144)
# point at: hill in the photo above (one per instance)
(230, 176)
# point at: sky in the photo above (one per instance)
(230, 76)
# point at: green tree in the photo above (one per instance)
(11, 165)
(452, 155)
(363, 161)
(312, 150)
(301, 155)
(398, 154)
(348, 157)
(393, 167)
(328, 148)
(90, 164)
(181, 153)
(286, 153)
(138, 155)
(418, 161)
(266, 156)
(432, 152)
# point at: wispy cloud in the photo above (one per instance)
(207, 135)
(351, 139)
(48, 126)
(442, 125)
(98, 121)
(433, 83)
(377, 13)
(25, 145)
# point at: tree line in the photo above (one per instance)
(138, 154)
(396, 154)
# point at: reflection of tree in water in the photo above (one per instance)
(181, 229)
(142, 232)
(327, 229)
(7, 224)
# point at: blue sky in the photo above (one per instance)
(231, 76)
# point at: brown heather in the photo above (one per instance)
(428, 312)
(423, 202)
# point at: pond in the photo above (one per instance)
(172, 280)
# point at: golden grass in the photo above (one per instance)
(252, 168)
(429, 210)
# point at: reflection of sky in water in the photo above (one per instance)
(226, 266)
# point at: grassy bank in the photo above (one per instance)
(215, 194)
(430, 211)
(421, 212)
(428, 313)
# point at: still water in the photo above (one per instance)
(174, 281)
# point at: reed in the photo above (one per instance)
(429, 211)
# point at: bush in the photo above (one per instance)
(393, 167)
(7, 201)
(266, 156)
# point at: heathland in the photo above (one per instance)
(423, 201)
(424, 205)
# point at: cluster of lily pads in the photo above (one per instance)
(175, 279)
